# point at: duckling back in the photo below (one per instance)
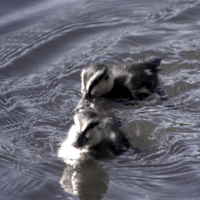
(91, 138)
(135, 80)
(114, 140)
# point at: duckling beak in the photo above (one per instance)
(84, 101)
(80, 141)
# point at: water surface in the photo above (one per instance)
(43, 47)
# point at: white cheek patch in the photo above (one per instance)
(97, 90)
(148, 72)
(113, 136)
(94, 137)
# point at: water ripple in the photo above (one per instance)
(43, 48)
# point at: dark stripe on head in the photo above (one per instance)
(96, 81)
(90, 126)
(82, 140)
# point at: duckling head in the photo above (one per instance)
(88, 129)
(96, 81)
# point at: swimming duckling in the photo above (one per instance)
(89, 137)
(131, 80)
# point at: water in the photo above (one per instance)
(43, 46)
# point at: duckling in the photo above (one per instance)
(91, 138)
(135, 80)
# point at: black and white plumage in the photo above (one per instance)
(135, 80)
(90, 137)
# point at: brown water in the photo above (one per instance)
(44, 44)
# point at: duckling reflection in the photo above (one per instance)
(91, 138)
(135, 80)
(87, 180)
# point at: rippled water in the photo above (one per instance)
(43, 46)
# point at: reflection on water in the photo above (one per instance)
(86, 180)
(44, 45)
